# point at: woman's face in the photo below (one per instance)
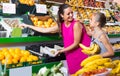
(68, 14)
(92, 21)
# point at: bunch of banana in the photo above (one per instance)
(98, 62)
(116, 69)
(93, 49)
(90, 59)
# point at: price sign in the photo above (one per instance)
(41, 8)
(23, 71)
(9, 8)
(74, 14)
(55, 10)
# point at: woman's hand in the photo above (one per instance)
(58, 53)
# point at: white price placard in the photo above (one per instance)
(9, 8)
(74, 14)
(55, 10)
(23, 71)
(41, 8)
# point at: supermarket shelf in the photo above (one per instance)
(113, 35)
(38, 39)
(28, 39)
(117, 53)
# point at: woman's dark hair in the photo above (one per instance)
(61, 11)
(101, 18)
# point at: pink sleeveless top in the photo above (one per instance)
(74, 57)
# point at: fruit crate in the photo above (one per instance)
(23, 64)
(34, 68)
(56, 1)
(46, 58)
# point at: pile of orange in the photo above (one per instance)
(27, 2)
(46, 23)
(16, 55)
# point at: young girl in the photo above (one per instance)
(97, 21)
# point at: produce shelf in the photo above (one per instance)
(113, 35)
(28, 39)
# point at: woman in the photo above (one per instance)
(73, 33)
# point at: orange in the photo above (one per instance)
(23, 59)
(50, 20)
(26, 53)
(29, 59)
(17, 50)
(11, 50)
(3, 61)
(40, 23)
(2, 56)
(35, 19)
(35, 58)
(9, 56)
(14, 61)
(31, 3)
(4, 49)
(16, 56)
(9, 61)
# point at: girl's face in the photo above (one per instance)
(93, 23)
(68, 14)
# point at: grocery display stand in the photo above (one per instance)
(49, 40)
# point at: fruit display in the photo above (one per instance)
(93, 49)
(4, 1)
(78, 3)
(15, 56)
(100, 4)
(43, 21)
(27, 2)
(98, 72)
(112, 29)
(116, 46)
(52, 69)
(96, 62)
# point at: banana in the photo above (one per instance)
(96, 49)
(109, 65)
(90, 51)
(87, 48)
(98, 62)
(89, 59)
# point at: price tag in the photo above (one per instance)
(74, 14)
(41, 8)
(55, 10)
(9, 8)
(23, 71)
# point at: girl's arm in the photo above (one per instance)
(108, 46)
(42, 30)
(77, 37)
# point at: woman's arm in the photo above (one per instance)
(108, 46)
(77, 37)
(52, 29)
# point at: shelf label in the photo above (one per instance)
(22, 71)
(41, 8)
(55, 10)
(74, 14)
(9, 8)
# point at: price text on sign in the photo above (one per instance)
(9, 8)
(41, 8)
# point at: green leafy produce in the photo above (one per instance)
(16, 32)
